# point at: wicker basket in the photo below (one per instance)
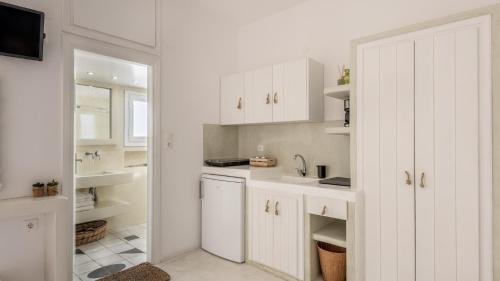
(333, 262)
(90, 232)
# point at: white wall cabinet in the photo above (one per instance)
(274, 227)
(424, 154)
(258, 91)
(288, 92)
(232, 99)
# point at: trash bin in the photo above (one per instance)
(333, 262)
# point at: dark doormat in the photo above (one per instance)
(142, 272)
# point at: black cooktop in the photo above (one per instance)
(227, 162)
(337, 181)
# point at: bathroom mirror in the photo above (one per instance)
(92, 115)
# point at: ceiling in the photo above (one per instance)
(89, 66)
(238, 12)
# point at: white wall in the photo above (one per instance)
(22, 254)
(31, 111)
(194, 54)
(323, 29)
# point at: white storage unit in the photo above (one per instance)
(288, 92)
(274, 231)
(424, 153)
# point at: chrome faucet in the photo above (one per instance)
(302, 172)
(95, 155)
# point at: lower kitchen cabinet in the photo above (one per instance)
(275, 231)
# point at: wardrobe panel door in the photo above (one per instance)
(447, 120)
(405, 149)
(467, 154)
(370, 124)
(424, 151)
(444, 158)
(388, 165)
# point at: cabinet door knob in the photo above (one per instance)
(408, 178)
(323, 212)
(422, 178)
(275, 98)
(267, 207)
(239, 104)
(268, 98)
(276, 211)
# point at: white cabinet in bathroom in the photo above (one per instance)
(232, 99)
(275, 229)
(287, 92)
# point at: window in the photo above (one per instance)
(136, 119)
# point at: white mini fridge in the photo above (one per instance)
(223, 216)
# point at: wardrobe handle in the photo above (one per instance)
(275, 99)
(422, 183)
(323, 212)
(267, 206)
(408, 178)
(239, 104)
(268, 98)
(276, 211)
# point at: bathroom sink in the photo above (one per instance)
(104, 178)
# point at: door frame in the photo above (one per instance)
(483, 20)
(70, 44)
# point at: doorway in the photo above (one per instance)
(110, 115)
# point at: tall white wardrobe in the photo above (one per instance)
(424, 144)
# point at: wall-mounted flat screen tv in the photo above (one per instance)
(21, 32)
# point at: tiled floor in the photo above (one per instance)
(125, 247)
(202, 266)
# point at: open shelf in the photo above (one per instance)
(333, 233)
(338, 130)
(339, 92)
(102, 210)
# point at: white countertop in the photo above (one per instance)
(273, 178)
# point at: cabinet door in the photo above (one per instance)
(232, 99)
(386, 168)
(258, 89)
(452, 105)
(286, 235)
(295, 101)
(260, 226)
(278, 93)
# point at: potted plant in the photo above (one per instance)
(52, 188)
(38, 189)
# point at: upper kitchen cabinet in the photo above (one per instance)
(128, 23)
(258, 91)
(288, 92)
(232, 99)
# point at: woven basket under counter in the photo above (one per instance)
(332, 261)
(89, 232)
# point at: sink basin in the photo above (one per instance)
(105, 178)
(296, 179)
